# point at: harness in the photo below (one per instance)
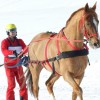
(61, 55)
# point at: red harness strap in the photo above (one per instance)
(46, 58)
(57, 40)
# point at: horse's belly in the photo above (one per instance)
(48, 66)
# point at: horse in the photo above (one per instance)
(64, 53)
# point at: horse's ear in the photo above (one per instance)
(94, 7)
(86, 7)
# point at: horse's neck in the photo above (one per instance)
(72, 31)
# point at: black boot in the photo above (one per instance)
(21, 98)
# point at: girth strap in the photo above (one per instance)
(69, 54)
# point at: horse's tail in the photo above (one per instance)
(29, 80)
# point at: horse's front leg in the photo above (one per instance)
(49, 83)
(77, 91)
(78, 81)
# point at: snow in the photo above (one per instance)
(34, 16)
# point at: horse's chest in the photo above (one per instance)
(75, 65)
(78, 65)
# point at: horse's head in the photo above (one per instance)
(91, 26)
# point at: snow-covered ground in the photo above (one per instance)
(34, 16)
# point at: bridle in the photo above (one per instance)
(83, 29)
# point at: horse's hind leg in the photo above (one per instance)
(77, 90)
(35, 71)
(50, 82)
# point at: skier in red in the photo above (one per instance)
(11, 47)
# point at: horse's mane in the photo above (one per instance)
(73, 15)
(91, 10)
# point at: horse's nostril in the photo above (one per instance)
(95, 44)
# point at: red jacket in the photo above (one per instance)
(4, 48)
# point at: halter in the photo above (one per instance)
(85, 31)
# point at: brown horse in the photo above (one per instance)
(64, 54)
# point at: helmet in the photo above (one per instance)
(11, 28)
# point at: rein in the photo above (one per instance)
(8, 61)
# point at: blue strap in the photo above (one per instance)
(23, 61)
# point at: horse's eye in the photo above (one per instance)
(88, 24)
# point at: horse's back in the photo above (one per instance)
(39, 43)
(43, 35)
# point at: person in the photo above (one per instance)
(11, 47)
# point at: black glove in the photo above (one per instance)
(25, 61)
(15, 53)
(20, 55)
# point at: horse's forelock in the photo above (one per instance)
(92, 13)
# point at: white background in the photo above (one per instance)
(34, 16)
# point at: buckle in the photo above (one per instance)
(57, 57)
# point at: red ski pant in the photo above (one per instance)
(13, 75)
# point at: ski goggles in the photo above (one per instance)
(12, 30)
